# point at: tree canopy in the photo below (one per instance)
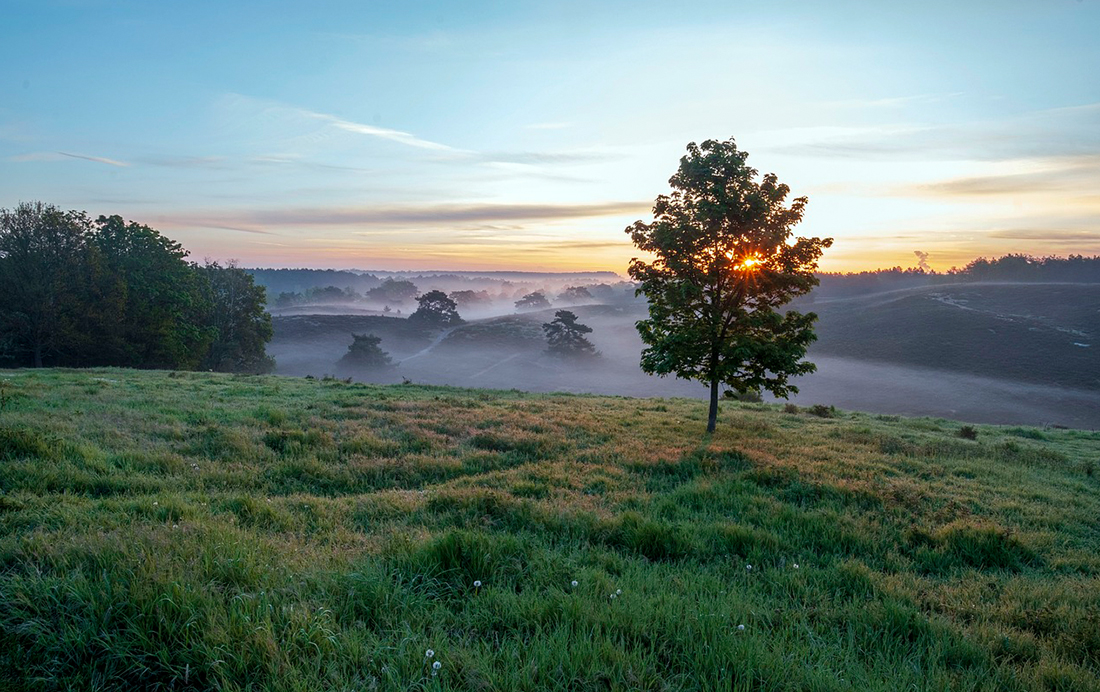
(436, 310)
(566, 337)
(723, 265)
(575, 294)
(533, 301)
(112, 292)
(366, 352)
(393, 291)
(241, 325)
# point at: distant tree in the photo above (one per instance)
(602, 291)
(329, 294)
(565, 336)
(533, 301)
(575, 294)
(286, 299)
(722, 269)
(365, 352)
(391, 291)
(435, 310)
(242, 327)
(471, 298)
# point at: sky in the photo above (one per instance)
(528, 136)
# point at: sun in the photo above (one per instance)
(750, 263)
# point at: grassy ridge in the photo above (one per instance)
(199, 531)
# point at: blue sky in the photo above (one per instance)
(528, 135)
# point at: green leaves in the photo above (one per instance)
(723, 266)
(112, 292)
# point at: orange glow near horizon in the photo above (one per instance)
(440, 252)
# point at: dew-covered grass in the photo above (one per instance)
(194, 531)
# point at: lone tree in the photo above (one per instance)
(533, 301)
(365, 352)
(436, 310)
(565, 336)
(723, 265)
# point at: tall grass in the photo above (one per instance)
(193, 531)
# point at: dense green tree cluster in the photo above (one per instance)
(318, 294)
(1019, 267)
(78, 292)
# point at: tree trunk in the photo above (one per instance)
(712, 417)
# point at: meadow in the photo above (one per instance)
(194, 531)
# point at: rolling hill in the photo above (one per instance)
(1042, 333)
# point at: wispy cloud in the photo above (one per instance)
(358, 217)
(185, 162)
(380, 132)
(62, 155)
(95, 159)
(895, 101)
(1080, 174)
(1068, 131)
(1047, 235)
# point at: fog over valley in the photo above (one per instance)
(987, 352)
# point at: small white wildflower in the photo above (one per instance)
(796, 565)
(155, 503)
(477, 583)
(618, 592)
(748, 568)
(613, 596)
(740, 628)
(175, 526)
(574, 583)
(437, 665)
(429, 653)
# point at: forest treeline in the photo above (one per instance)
(79, 292)
(1008, 268)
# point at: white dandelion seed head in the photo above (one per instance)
(437, 665)
(748, 568)
(574, 582)
(740, 628)
(429, 653)
(618, 592)
(477, 583)
(613, 596)
(796, 565)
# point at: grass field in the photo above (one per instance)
(175, 531)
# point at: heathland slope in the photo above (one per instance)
(1041, 333)
(199, 531)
